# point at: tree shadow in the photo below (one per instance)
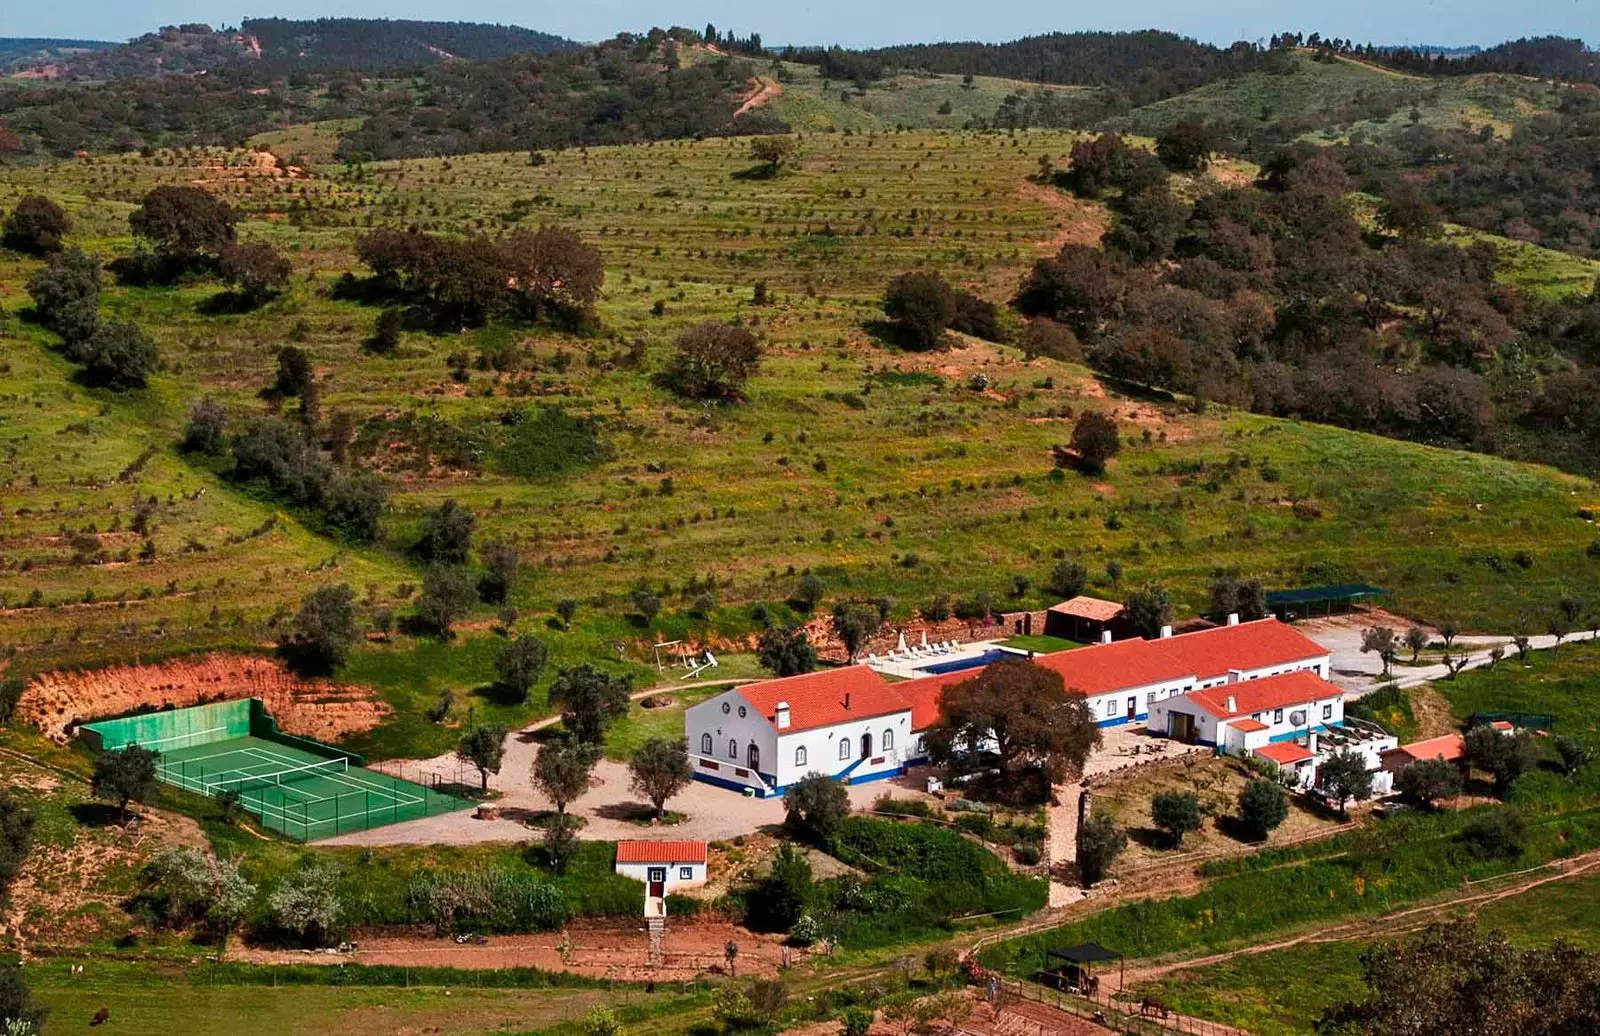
(96, 814)
(1141, 393)
(1234, 827)
(631, 812)
(891, 335)
(1151, 838)
(498, 693)
(230, 303)
(760, 171)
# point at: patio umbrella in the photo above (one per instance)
(902, 648)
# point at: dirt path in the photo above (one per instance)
(1396, 923)
(767, 90)
(1082, 222)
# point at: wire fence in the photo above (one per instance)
(1128, 1017)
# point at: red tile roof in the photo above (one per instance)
(1116, 666)
(1248, 726)
(924, 694)
(1249, 645)
(1284, 753)
(1448, 747)
(1091, 608)
(1269, 692)
(661, 852)
(819, 699)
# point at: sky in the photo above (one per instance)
(861, 23)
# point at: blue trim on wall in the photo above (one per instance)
(869, 778)
(1119, 721)
(1291, 735)
(723, 782)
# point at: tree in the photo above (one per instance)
(1454, 978)
(1246, 598)
(520, 663)
(601, 1021)
(447, 533)
(37, 225)
(324, 628)
(1148, 609)
(1380, 640)
(185, 223)
(1175, 812)
(1344, 776)
(447, 595)
(815, 805)
(1095, 440)
(1068, 578)
(1505, 756)
(119, 356)
(778, 901)
(16, 837)
(1263, 805)
(809, 592)
(1021, 712)
(660, 769)
(123, 776)
(1416, 640)
(854, 624)
(354, 505)
(566, 608)
(1574, 756)
(387, 331)
(257, 271)
(207, 428)
(785, 651)
(561, 771)
(296, 373)
(306, 902)
(500, 564)
(922, 306)
(198, 886)
(1186, 146)
(66, 295)
(553, 273)
(483, 746)
(590, 699)
(712, 361)
(772, 153)
(1427, 780)
(1100, 842)
(1080, 286)
(1407, 210)
(560, 840)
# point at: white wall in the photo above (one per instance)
(1278, 721)
(751, 728)
(640, 872)
(822, 748)
(1321, 665)
(1112, 706)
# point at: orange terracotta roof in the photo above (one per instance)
(661, 852)
(1269, 692)
(1091, 608)
(925, 692)
(1117, 666)
(1248, 726)
(1501, 724)
(1284, 753)
(1250, 645)
(819, 699)
(1448, 747)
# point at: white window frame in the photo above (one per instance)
(844, 748)
(685, 873)
(800, 756)
(706, 746)
(733, 749)
(886, 743)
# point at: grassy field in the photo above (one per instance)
(1360, 98)
(883, 472)
(906, 100)
(1564, 683)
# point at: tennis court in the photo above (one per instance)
(301, 788)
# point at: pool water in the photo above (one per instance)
(955, 665)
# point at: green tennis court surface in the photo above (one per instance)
(299, 787)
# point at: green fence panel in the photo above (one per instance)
(173, 728)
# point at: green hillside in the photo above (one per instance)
(810, 102)
(1338, 98)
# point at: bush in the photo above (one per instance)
(207, 428)
(1495, 834)
(1427, 780)
(37, 225)
(1263, 805)
(486, 899)
(256, 270)
(712, 361)
(119, 355)
(953, 876)
(922, 306)
(1100, 842)
(1176, 812)
(815, 805)
(447, 595)
(66, 295)
(1095, 440)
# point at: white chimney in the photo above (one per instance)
(1233, 618)
(1311, 743)
(1166, 632)
(782, 715)
(1105, 636)
(1233, 704)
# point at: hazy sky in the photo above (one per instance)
(865, 22)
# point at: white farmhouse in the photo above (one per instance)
(663, 868)
(849, 724)
(1245, 714)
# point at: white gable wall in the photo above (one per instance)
(676, 873)
(821, 749)
(729, 728)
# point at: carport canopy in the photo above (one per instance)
(1303, 599)
(1085, 953)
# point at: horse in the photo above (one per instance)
(1150, 1005)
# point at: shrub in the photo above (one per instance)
(815, 805)
(712, 361)
(256, 270)
(1495, 834)
(1100, 842)
(1427, 780)
(37, 225)
(119, 355)
(447, 595)
(1095, 440)
(306, 902)
(207, 428)
(1263, 805)
(324, 629)
(520, 663)
(922, 306)
(66, 295)
(1176, 812)
(486, 899)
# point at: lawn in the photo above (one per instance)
(1562, 683)
(1039, 644)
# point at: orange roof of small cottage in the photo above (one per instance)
(826, 697)
(661, 852)
(1448, 747)
(1092, 608)
(1248, 726)
(1284, 753)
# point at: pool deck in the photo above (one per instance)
(914, 667)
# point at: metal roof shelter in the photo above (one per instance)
(1287, 604)
(1085, 953)
(1081, 960)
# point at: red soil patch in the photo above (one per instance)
(1083, 223)
(55, 701)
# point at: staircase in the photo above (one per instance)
(658, 931)
(844, 774)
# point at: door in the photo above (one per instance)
(866, 744)
(1180, 725)
(1133, 707)
(754, 757)
(658, 882)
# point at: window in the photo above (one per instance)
(685, 873)
(1150, 697)
(800, 756)
(1256, 717)
(726, 708)
(888, 741)
(1277, 715)
(1111, 708)
(705, 744)
(743, 712)
(844, 748)
(733, 749)
(1327, 711)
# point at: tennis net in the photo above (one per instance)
(277, 777)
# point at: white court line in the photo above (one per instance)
(344, 778)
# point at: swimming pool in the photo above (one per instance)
(955, 665)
